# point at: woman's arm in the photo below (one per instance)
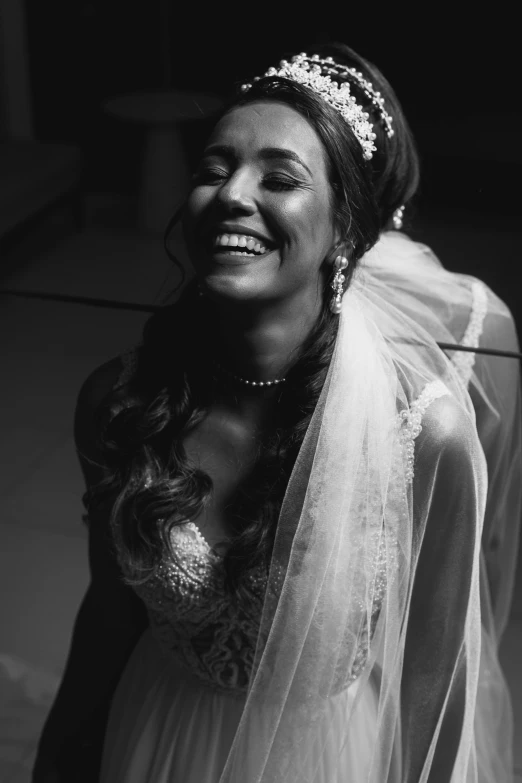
(434, 685)
(109, 623)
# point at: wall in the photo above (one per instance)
(15, 91)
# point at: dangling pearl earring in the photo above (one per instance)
(340, 263)
(397, 218)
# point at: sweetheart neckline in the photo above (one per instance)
(210, 551)
(201, 538)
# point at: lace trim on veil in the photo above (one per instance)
(464, 361)
(411, 422)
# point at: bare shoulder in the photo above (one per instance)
(94, 390)
(447, 427)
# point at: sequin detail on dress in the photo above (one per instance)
(193, 617)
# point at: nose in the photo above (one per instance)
(237, 194)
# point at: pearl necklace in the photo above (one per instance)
(239, 379)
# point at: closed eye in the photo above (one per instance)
(214, 174)
(209, 175)
(280, 183)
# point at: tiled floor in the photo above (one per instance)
(47, 350)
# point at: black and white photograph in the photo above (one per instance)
(260, 318)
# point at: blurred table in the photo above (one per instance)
(165, 174)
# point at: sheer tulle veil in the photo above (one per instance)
(378, 586)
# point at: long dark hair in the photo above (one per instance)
(150, 482)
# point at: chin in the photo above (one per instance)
(230, 288)
(238, 283)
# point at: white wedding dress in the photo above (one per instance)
(180, 700)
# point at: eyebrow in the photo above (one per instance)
(267, 153)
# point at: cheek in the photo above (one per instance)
(309, 223)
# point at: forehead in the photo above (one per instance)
(263, 124)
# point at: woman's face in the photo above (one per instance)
(259, 222)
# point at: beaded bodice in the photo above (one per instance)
(197, 622)
(193, 617)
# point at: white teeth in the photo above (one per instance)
(240, 240)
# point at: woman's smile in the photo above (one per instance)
(259, 221)
(240, 244)
(236, 244)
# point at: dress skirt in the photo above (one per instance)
(166, 726)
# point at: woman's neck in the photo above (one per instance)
(261, 343)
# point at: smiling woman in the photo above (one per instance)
(247, 186)
(291, 477)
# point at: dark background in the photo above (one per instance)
(456, 71)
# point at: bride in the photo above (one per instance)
(299, 572)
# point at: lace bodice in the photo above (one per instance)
(214, 636)
(194, 619)
(204, 629)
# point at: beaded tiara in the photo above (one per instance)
(316, 74)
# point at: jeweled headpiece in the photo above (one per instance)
(316, 73)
